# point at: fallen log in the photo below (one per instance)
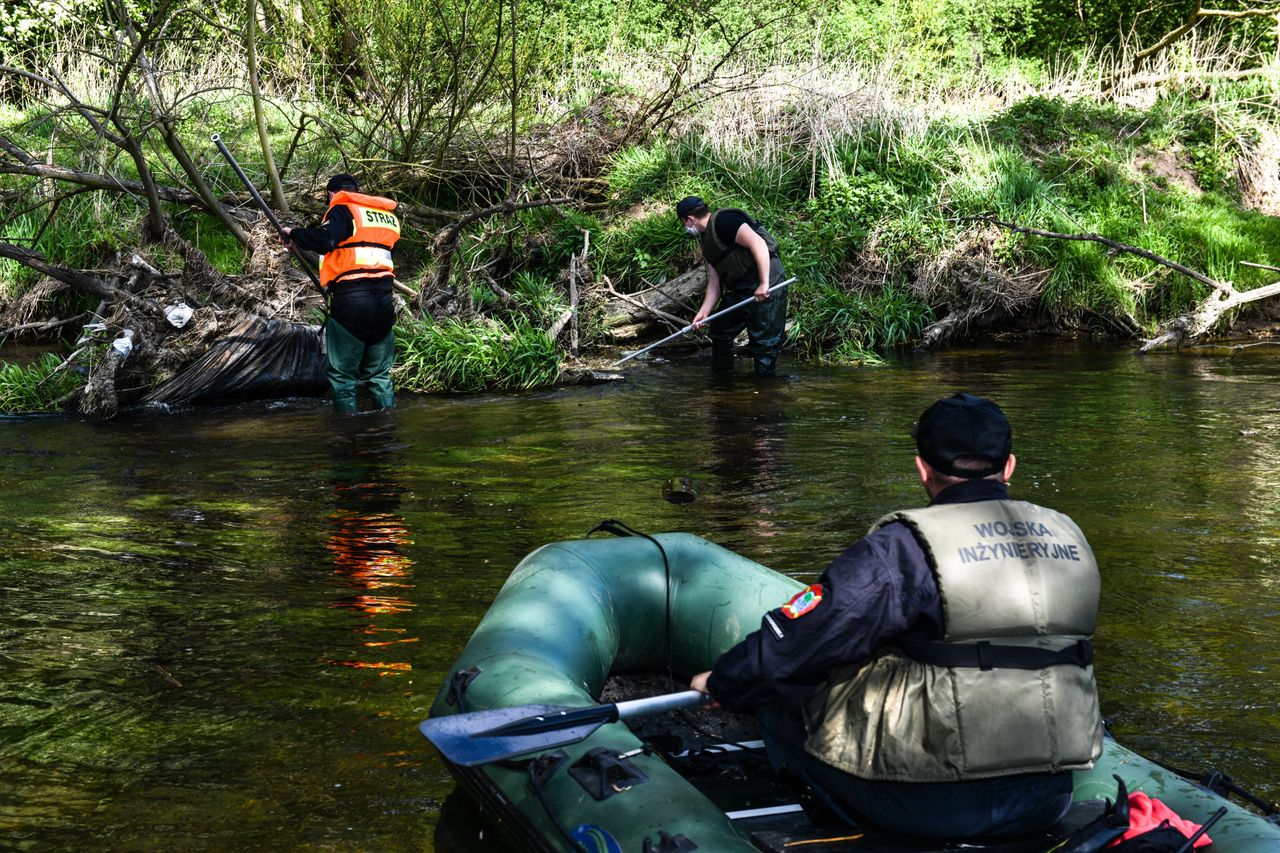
(628, 316)
(78, 279)
(1202, 319)
(1185, 327)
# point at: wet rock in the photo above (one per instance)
(679, 490)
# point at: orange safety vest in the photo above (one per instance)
(367, 252)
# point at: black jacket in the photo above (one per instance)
(338, 225)
(880, 588)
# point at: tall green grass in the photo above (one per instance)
(30, 388)
(477, 355)
(837, 326)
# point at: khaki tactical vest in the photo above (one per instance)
(1010, 690)
(733, 262)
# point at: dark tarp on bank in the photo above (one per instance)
(259, 358)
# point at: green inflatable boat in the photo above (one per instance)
(573, 613)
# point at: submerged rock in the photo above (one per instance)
(679, 490)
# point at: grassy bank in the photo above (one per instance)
(35, 387)
(875, 185)
(877, 212)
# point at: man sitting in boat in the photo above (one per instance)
(938, 678)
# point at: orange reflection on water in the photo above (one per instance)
(376, 604)
(365, 550)
(372, 645)
(389, 666)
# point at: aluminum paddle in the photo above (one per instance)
(482, 737)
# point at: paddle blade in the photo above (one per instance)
(463, 738)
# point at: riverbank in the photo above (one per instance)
(893, 206)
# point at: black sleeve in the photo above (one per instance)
(338, 225)
(878, 589)
(727, 225)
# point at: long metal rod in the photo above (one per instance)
(689, 328)
(766, 811)
(271, 217)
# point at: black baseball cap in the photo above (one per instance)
(964, 426)
(687, 205)
(341, 182)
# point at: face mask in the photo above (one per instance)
(691, 231)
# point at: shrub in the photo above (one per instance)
(35, 387)
(477, 355)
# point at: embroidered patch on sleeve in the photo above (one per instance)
(804, 601)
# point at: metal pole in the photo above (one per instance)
(689, 327)
(271, 217)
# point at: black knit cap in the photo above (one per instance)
(687, 205)
(964, 426)
(341, 182)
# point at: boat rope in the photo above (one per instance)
(536, 780)
(618, 528)
(1217, 782)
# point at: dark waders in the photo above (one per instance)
(351, 362)
(765, 323)
(361, 345)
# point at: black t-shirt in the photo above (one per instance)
(727, 224)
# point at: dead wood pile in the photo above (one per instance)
(252, 335)
(967, 286)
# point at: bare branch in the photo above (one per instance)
(1110, 244)
(175, 195)
(41, 325)
(1253, 9)
(78, 279)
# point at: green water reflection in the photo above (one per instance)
(218, 630)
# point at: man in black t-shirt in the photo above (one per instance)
(742, 261)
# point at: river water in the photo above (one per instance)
(219, 629)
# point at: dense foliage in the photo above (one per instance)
(35, 387)
(869, 137)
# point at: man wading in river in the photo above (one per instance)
(742, 262)
(356, 239)
(938, 678)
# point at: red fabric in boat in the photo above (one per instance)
(1145, 814)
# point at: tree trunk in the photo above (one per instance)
(259, 118)
(1205, 316)
(673, 303)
